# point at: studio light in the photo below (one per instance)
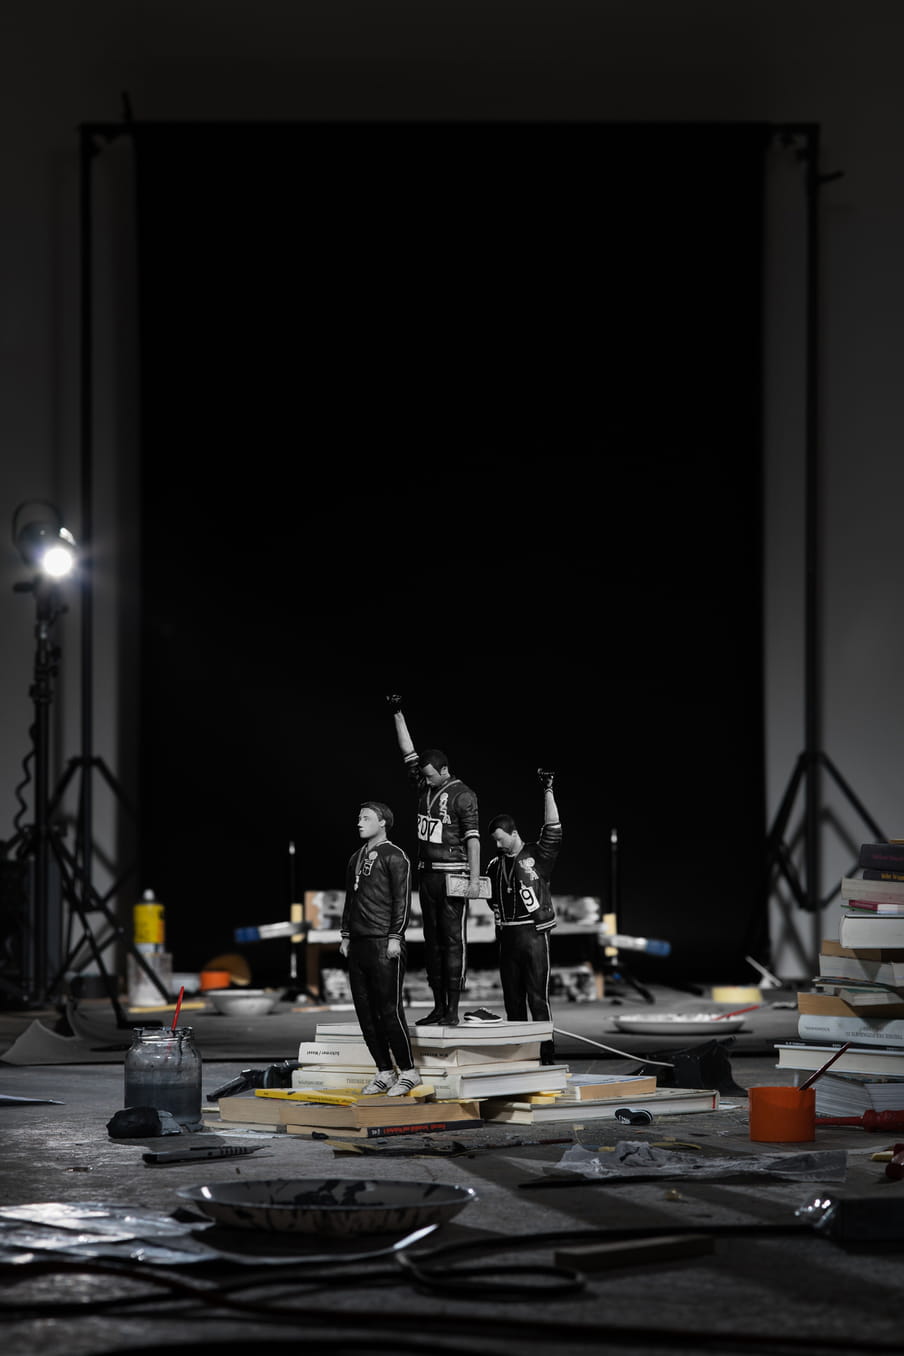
(42, 541)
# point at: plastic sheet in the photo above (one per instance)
(637, 1158)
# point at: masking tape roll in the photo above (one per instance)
(736, 993)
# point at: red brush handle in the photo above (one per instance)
(870, 1120)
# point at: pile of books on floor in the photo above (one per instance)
(495, 1065)
(459, 1066)
(858, 994)
(472, 1060)
(487, 1070)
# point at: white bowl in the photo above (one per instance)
(328, 1205)
(677, 1023)
(244, 1002)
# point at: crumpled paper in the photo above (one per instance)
(637, 1158)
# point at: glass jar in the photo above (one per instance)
(163, 1070)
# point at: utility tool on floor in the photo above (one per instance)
(159, 1156)
(276, 1076)
(870, 1120)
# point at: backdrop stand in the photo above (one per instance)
(806, 774)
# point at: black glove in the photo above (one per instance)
(546, 778)
(395, 702)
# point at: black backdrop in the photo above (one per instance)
(470, 412)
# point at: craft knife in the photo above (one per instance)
(194, 1155)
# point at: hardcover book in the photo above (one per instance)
(885, 1061)
(381, 1131)
(229, 1127)
(663, 1102)
(839, 999)
(880, 906)
(852, 1094)
(882, 856)
(855, 887)
(545, 1078)
(881, 966)
(590, 1087)
(822, 1026)
(452, 1045)
(348, 1053)
(290, 1110)
(871, 930)
(461, 1056)
(495, 1033)
(352, 1078)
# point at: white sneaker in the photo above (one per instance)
(382, 1083)
(405, 1083)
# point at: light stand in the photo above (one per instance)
(40, 538)
(37, 841)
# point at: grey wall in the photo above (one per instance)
(820, 61)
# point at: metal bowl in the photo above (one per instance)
(244, 1002)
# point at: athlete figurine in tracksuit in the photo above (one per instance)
(374, 919)
(524, 912)
(448, 835)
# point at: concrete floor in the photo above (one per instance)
(771, 1280)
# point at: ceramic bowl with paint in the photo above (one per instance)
(330, 1205)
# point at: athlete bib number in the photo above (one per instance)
(429, 830)
(528, 898)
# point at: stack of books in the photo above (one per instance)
(605, 1099)
(494, 1065)
(465, 1061)
(858, 994)
(340, 1116)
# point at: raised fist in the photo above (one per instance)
(546, 778)
(395, 702)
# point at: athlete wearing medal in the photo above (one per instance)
(374, 918)
(448, 834)
(524, 912)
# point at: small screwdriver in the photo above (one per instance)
(870, 1120)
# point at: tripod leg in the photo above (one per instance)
(635, 984)
(67, 865)
(852, 798)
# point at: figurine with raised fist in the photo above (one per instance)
(522, 903)
(448, 836)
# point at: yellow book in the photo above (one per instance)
(349, 1098)
(332, 1098)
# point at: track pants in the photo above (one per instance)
(524, 971)
(445, 948)
(376, 983)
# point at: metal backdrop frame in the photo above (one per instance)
(812, 761)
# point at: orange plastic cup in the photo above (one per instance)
(215, 979)
(782, 1115)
